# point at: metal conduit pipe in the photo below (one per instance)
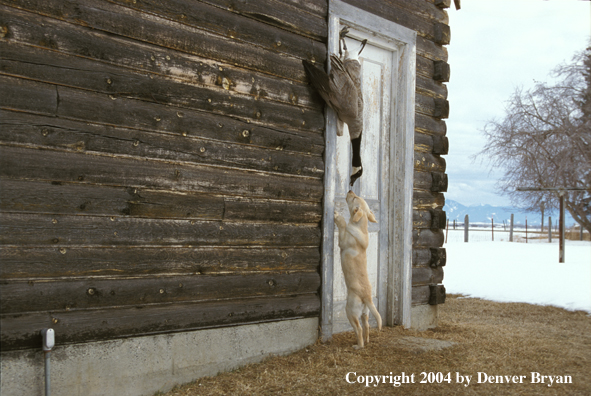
(48, 336)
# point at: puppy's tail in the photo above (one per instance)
(375, 313)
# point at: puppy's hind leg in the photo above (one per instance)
(365, 324)
(358, 330)
(353, 309)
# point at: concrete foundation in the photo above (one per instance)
(423, 317)
(145, 365)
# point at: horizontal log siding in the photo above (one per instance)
(431, 25)
(161, 166)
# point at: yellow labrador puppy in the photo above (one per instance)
(353, 241)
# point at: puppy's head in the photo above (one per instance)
(357, 207)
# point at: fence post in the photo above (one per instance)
(549, 229)
(525, 229)
(581, 234)
(561, 231)
(511, 229)
(466, 226)
(492, 222)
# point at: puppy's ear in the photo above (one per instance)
(357, 214)
(371, 217)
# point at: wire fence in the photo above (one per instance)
(481, 233)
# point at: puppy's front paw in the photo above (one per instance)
(357, 347)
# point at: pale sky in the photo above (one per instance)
(495, 47)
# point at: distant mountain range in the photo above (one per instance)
(483, 214)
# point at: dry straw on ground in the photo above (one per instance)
(499, 339)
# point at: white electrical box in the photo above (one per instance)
(48, 339)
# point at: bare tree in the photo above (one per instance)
(544, 141)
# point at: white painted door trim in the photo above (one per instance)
(402, 41)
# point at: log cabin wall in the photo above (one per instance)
(161, 165)
(430, 20)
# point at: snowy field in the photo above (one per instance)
(519, 272)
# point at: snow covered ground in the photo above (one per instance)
(519, 272)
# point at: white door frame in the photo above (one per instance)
(402, 41)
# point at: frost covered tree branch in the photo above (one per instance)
(544, 141)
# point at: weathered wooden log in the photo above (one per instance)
(443, 3)
(436, 294)
(249, 209)
(442, 34)
(429, 162)
(439, 182)
(431, 144)
(438, 219)
(424, 9)
(429, 125)
(23, 56)
(114, 108)
(190, 125)
(430, 106)
(54, 166)
(421, 257)
(427, 238)
(423, 200)
(66, 69)
(20, 331)
(441, 108)
(426, 275)
(424, 67)
(421, 219)
(429, 257)
(316, 7)
(20, 196)
(440, 145)
(232, 25)
(427, 105)
(66, 231)
(438, 257)
(36, 263)
(430, 181)
(420, 295)
(57, 294)
(441, 71)
(432, 219)
(76, 136)
(427, 86)
(423, 142)
(428, 294)
(430, 49)
(126, 23)
(285, 16)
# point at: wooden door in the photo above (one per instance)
(373, 186)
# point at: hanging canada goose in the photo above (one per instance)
(341, 90)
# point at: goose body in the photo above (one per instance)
(341, 90)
